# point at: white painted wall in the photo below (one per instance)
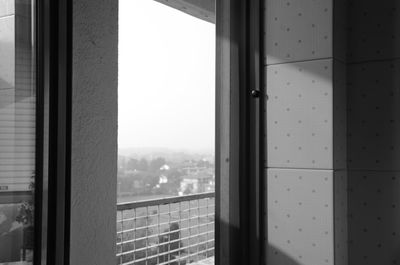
(94, 132)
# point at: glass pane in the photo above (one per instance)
(166, 132)
(17, 131)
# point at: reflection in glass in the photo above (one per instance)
(17, 131)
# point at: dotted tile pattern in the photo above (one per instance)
(373, 31)
(305, 44)
(373, 131)
(374, 217)
(300, 119)
(340, 30)
(374, 115)
(303, 30)
(339, 115)
(300, 216)
(298, 30)
(340, 217)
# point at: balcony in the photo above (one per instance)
(175, 230)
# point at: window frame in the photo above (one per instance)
(240, 198)
(240, 98)
(53, 24)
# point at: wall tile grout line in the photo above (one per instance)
(302, 61)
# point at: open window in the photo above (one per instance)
(189, 81)
(199, 205)
(166, 152)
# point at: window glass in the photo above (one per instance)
(17, 131)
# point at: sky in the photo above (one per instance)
(166, 91)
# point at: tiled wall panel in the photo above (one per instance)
(339, 116)
(374, 217)
(302, 99)
(374, 115)
(373, 131)
(301, 214)
(340, 217)
(305, 45)
(304, 30)
(374, 30)
(340, 23)
(298, 30)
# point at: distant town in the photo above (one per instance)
(156, 173)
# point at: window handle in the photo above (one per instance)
(255, 93)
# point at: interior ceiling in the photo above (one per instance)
(202, 9)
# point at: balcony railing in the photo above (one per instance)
(176, 230)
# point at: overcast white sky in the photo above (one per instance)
(166, 78)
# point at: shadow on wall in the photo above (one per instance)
(373, 85)
(374, 201)
(279, 257)
(304, 85)
(237, 250)
(373, 113)
(373, 30)
(374, 131)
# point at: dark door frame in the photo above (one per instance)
(240, 223)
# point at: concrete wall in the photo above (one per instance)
(94, 132)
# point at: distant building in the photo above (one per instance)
(165, 167)
(197, 180)
(163, 179)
